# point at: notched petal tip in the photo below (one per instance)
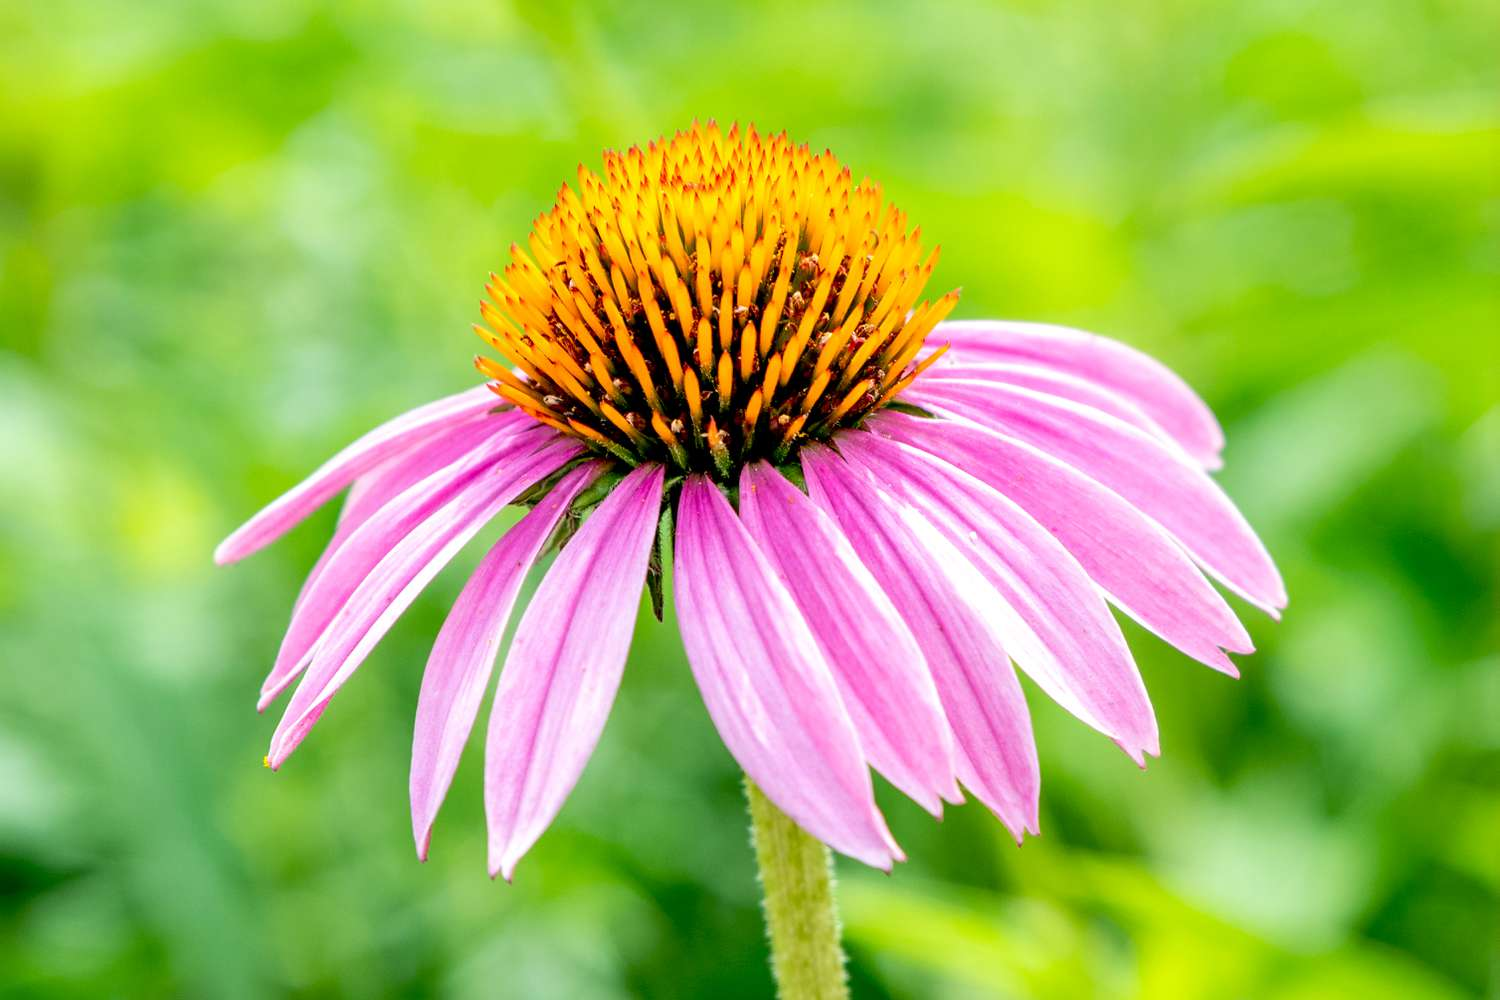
(952, 795)
(1145, 745)
(1030, 827)
(896, 853)
(932, 801)
(504, 868)
(883, 857)
(1215, 659)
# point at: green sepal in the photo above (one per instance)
(655, 569)
(907, 408)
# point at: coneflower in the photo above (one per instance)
(720, 351)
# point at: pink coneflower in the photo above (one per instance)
(717, 352)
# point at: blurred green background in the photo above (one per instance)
(235, 235)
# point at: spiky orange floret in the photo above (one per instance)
(712, 299)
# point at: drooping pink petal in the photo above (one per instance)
(1127, 554)
(1040, 378)
(564, 666)
(396, 580)
(1154, 478)
(364, 482)
(329, 589)
(765, 683)
(943, 598)
(385, 484)
(1148, 383)
(876, 663)
(464, 655)
(378, 487)
(388, 439)
(1051, 617)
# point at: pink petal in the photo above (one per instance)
(1127, 554)
(944, 599)
(399, 576)
(388, 439)
(1051, 617)
(385, 482)
(465, 456)
(765, 683)
(464, 655)
(876, 663)
(1040, 378)
(564, 667)
(1148, 383)
(1152, 477)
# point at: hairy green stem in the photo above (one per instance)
(802, 921)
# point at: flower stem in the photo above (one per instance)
(802, 921)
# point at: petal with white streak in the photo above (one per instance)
(564, 665)
(376, 446)
(398, 578)
(1144, 572)
(463, 657)
(765, 683)
(1153, 477)
(466, 456)
(1137, 376)
(943, 597)
(875, 660)
(382, 484)
(1051, 617)
(1040, 378)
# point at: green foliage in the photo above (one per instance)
(233, 235)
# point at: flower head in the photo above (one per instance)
(711, 300)
(720, 356)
